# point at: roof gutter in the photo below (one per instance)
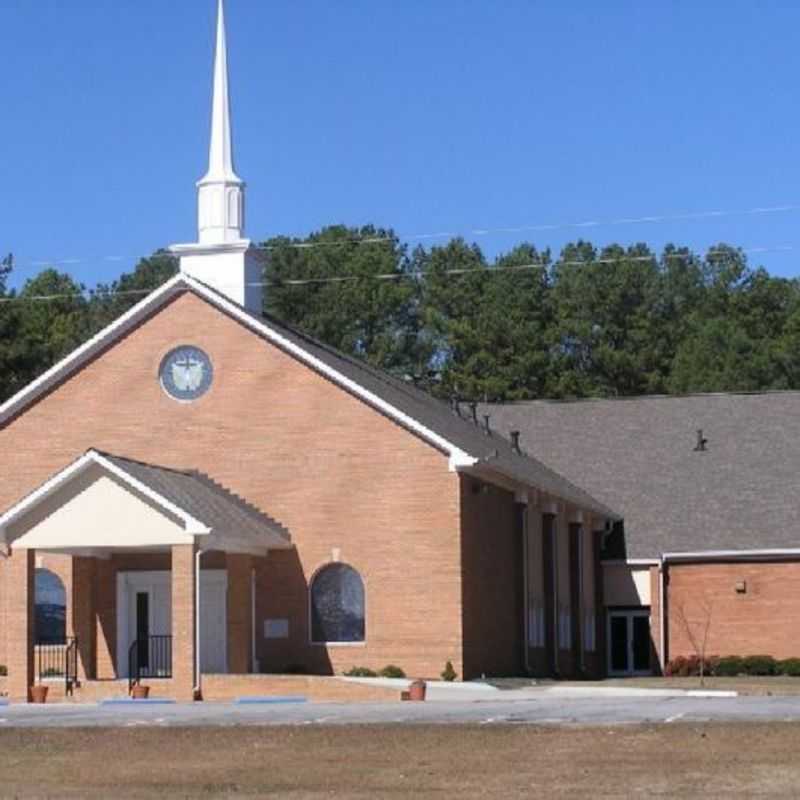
(732, 555)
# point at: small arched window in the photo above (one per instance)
(337, 605)
(50, 600)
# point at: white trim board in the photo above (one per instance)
(192, 526)
(458, 458)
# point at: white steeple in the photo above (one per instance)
(222, 257)
(221, 191)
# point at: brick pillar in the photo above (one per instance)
(82, 615)
(105, 618)
(20, 632)
(239, 613)
(183, 620)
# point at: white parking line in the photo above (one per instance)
(675, 717)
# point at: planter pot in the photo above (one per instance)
(417, 691)
(39, 694)
(140, 692)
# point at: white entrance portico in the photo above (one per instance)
(153, 551)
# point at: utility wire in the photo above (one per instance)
(532, 228)
(397, 276)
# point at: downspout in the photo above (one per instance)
(253, 620)
(662, 637)
(580, 621)
(526, 582)
(198, 679)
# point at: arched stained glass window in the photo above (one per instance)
(337, 605)
(50, 600)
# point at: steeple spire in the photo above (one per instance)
(220, 158)
(222, 258)
(221, 191)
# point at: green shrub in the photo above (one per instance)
(391, 671)
(361, 672)
(729, 667)
(789, 666)
(3, 671)
(759, 665)
(449, 673)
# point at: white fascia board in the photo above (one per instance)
(632, 562)
(458, 457)
(191, 525)
(44, 491)
(18, 400)
(715, 555)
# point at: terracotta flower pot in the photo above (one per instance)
(140, 692)
(417, 690)
(39, 694)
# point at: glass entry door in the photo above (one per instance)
(629, 642)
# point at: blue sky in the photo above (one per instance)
(426, 115)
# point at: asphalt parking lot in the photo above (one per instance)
(545, 709)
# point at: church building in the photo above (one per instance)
(200, 490)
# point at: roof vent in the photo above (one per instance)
(515, 441)
(487, 428)
(700, 447)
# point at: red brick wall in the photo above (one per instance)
(763, 620)
(340, 476)
(491, 556)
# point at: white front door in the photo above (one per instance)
(144, 614)
(214, 622)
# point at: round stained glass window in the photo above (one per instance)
(186, 373)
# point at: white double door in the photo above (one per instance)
(144, 613)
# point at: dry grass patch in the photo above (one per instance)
(403, 761)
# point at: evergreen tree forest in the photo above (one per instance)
(588, 322)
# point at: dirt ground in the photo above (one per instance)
(714, 760)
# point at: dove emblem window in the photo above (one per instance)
(186, 373)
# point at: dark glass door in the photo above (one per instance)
(143, 629)
(619, 643)
(641, 643)
(629, 643)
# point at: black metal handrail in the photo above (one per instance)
(150, 657)
(58, 660)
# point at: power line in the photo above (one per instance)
(530, 228)
(398, 276)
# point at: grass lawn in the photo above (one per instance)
(746, 685)
(714, 760)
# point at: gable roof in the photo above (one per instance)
(417, 411)
(202, 507)
(637, 455)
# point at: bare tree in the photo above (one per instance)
(697, 630)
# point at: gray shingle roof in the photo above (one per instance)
(495, 450)
(637, 455)
(199, 496)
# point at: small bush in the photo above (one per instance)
(729, 667)
(789, 666)
(759, 665)
(361, 672)
(391, 671)
(3, 671)
(689, 666)
(449, 674)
